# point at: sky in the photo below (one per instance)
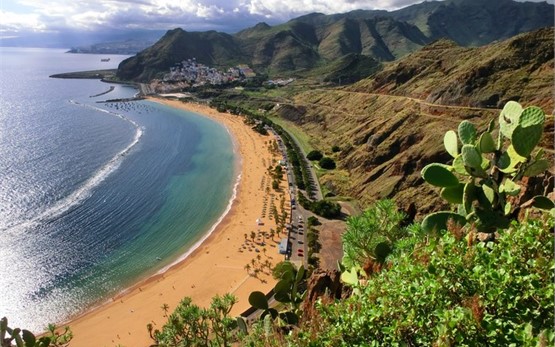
(64, 17)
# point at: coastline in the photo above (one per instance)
(215, 266)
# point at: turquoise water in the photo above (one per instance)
(94, 196)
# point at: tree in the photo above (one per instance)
(253, 235)
(327, 163)
(335, 149)
(190, 325)
(314, 155)
(372, 234)
(326, 208)
(165, 308)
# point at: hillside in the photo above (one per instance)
(315, 40)
(389, 126)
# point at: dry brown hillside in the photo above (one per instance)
(391, 125)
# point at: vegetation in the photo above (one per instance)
(372, 235)
(190, 325)
(445, 292)
(289, 290)
(314, 155)
(296, 50)
(492, 171)
(324, 208)
(25, 338)
(327, 163)
(335, 149)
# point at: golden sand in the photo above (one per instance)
(216, 267)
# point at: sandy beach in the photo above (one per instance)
(217, 266)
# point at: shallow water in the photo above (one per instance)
(94, 196)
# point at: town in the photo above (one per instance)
(197, 74)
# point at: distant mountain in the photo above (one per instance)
(390, 125)
(87, 41)
(130, 46)
(314, 40)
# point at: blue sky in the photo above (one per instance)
(24, 17)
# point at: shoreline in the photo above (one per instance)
(222, 249)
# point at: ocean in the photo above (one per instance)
(95, 197)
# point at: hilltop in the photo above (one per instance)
(316, 40)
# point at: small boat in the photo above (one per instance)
(105, 59)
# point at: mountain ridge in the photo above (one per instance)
(316, 39)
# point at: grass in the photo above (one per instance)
(300, 136)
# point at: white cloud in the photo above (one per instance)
(40, 15)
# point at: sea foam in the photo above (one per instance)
(86, 189)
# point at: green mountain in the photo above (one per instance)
(211, 48)
(316, 40)
(390, 125)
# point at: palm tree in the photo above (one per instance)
(165, 308)
(253, 235)
(248, 268)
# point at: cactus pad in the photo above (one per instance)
(524, 140)
(438, 221)
(439, 175)
(350, 276)
(489, 193)
(467, 132)
(471, 156)
(486, 143)
(537, 167)
(453, 195)
(509, 187)
(258, 300)
(531, 116)
(451, 144)
(469, 194)
(543, 202)
(458, 166)
(509, 118)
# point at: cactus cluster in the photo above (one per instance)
(286, 291)
(485, 173)
(25, 338)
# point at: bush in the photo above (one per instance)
(314, 155)
(445, 292)
(312, 221)
(379, 224)
(327, 163)
(335, 149)
(325, 208)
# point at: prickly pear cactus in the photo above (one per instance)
(484, 174)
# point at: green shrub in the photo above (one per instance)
(325, 208)
(335, 149)
(191, 325)
(314, 155)
(445, 292)
(327, 163)
(365, 234)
